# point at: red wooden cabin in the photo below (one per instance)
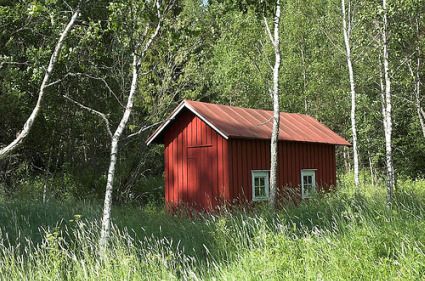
(216, 153)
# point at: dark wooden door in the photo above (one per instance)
(200, 177)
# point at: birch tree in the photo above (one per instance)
(42, 90)
(417, 93)
(346, 28)
(416, 76)
(387, 107)
(275, 40)
(419, 109)
(143, 44)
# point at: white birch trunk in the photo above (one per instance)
(417, 84)
(419, 109)
(274, 147)
(372, 175)
(45, 193)
(106, 218)
(387, 110)
(304, 80)
(347, 33)
(421, 112)
(369, 156)
(44, 84)
(417, 93)
(347, 162)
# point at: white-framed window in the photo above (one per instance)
(260, 185)
(308, 183)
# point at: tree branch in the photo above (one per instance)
(142, 129)
(30, 121)
(12, 63)
(155, 33)
(103, 80)
(91, 110)
(269, 33)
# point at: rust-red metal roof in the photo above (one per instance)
(238, 122)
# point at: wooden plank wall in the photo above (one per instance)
(196, 169)
(248, 155)
(202, 169)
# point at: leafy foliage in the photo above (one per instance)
(214, 51)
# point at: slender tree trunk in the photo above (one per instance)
(347, 161)
(372, 175)
(421, 113)
(417, 83)
(417, 92)
(44, 84)
(419, 109)
(347, 34)
(387, 109)
(304, 77)
(274, 147)
(45, 193)
(369, 156)
(135, 66)
(46, 176)
(106, 219)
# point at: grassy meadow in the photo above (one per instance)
(340, 236)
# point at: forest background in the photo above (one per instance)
(215, 51)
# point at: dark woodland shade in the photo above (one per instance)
(206, 166)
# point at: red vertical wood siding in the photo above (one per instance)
(196, 162)
(202, 169)
(248, 155)
(227, 176)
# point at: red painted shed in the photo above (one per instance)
(216, 153)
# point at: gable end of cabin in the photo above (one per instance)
(195, 163)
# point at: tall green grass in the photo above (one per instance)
(344, 235)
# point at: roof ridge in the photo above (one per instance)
(244, 108)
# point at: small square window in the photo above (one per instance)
(308, 183)
(260, 185)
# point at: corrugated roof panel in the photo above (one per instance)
(237, 122)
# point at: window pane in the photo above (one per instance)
(259, 185)
(262, 180)
(308, 183)
(263, 192)
(308, 189)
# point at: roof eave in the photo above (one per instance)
(291, 140)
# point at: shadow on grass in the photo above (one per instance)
(222, 237)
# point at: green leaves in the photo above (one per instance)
(215, 52)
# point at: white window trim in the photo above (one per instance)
(267, 183)
(308, 172)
